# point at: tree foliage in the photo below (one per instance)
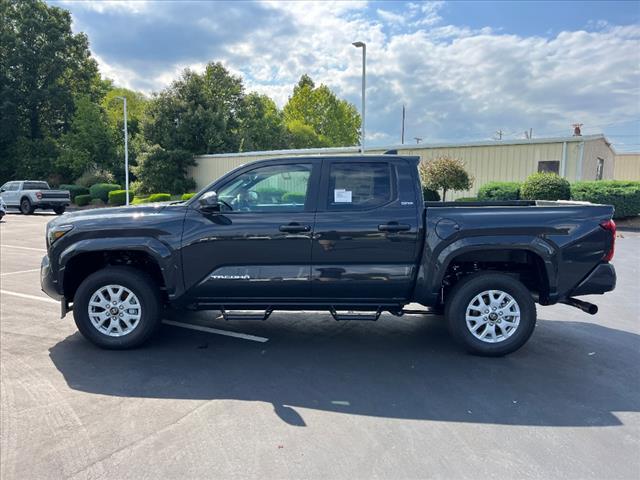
(334, 122)
(89, 144)
(445, 173)
(161, 170)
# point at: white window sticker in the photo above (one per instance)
(340, 195)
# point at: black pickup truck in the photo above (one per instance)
(349, 235)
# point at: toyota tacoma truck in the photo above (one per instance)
(348, 235)
(29, 195)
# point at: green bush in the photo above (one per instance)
(119, 197)
(161, 170)
(94, 175)
(623, 195)
(270, 194)
(82, 200)
(545, 186)
(159, 197)
(139, 200)
(74, 190)
(466, 199)
(293, 197)
(101, 190)
(430, 195)
(499, 191)
(186, 196)
(96, 202)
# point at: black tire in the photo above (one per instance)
(25, 207)
(59, 210)
(466, 290)
(141, 284)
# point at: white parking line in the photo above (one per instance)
(21, 271)
(199, 328)
(227, 333)
(25, 248)
(30, 297)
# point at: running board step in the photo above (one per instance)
(351, 315)
(246, 314)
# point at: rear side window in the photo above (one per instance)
(358, 186)
(35, 186)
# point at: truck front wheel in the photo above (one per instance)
(117, 308)
(490, 314)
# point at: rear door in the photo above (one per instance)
(365, 244)
(258, 247)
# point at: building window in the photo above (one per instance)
(599, 168)
(549, 166)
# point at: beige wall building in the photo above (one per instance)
(627, 166)
(588, 157)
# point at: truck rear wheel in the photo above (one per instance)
(490, 314)
(25, 207)
(59, 210)
(117, 308)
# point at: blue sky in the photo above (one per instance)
(463, 69)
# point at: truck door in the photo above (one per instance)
(258, 247)
(365, 245)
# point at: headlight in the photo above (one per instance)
(56, 232)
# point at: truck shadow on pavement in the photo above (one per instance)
(569, 374)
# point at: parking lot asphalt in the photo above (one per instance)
(319, 398)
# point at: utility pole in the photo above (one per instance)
(499, 133)
(364, 84)
(403, 116)
(126, 152)
(418, 139)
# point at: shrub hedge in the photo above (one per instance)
(545, 186)
(270, 194)
(159, 197)
(82, 200)
(186, 196)
(97, 202)
(293, 197)
(119, 197)
(74, 190)
(499, 191)
(466, 199)
(623, 195)
(430, 195)
(101, 190)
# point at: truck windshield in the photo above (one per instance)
(35, 186)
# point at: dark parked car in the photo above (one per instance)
(351, 235)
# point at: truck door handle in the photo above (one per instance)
(294, 228)
(394, 227)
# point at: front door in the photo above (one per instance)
(258, 246)
(365, 247)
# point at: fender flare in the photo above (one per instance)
(543, 248)
(156, 249)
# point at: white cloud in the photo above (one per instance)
(456, 82)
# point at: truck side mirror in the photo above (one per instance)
(209, 202)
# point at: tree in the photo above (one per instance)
(445, 173)
(43, 65)
(261, 124)
(89, 143)
(164, 171)
(335, 122)
(199, 113)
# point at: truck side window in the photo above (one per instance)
(276, 188)
(357, 186)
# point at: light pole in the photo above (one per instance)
(126, 152)
(364, 85)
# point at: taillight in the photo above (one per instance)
(39, 195)
(610, 226)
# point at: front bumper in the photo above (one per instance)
(48, 281)
(602, 279)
